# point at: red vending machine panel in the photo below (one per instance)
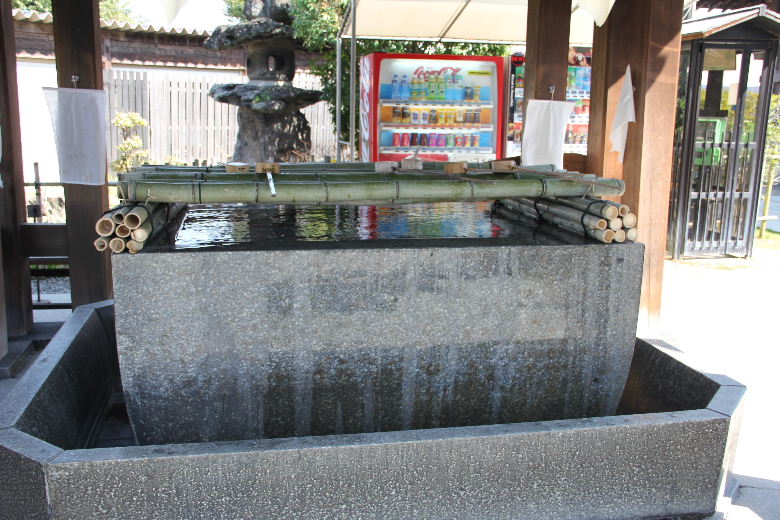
(439, 108)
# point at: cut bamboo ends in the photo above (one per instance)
(632, 234)
(134, 246)
(136, 216)
(123, 231)
(117, 244)
(629, 220)
(118, 215)
(101, 243)
(620, 236)
(105, 225)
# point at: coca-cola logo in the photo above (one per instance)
(421, 73)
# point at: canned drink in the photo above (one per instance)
(475, 141)
(424, 117)
(477, 116)
(405, 139)
(405, 115)
(459, 116)
(450, 117)
(396, 139)
(467, 141)
(469, 119)
(396, 114)
(415, 117)
(434, 117)
(414, 140)
(432, 140)
(441, 140)
(423, 139)
(450, 141)
(459, 141)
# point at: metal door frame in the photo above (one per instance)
(693, 96)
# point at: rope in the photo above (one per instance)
(582, 218)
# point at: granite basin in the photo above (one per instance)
(665, 454)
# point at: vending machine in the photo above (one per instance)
(437, 108)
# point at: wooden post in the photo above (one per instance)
(547, 48)
(77, 51)
(16, 270)
(645, 35)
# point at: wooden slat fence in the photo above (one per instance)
(185, 124)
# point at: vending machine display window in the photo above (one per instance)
(434, 107)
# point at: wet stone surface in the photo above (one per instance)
(265, 337)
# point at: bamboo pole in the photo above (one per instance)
(622, 208)
(615, 224)
(620, 235)
(598, 208)
(629, 220)
(347, 192)
(105, 225)
(136, 216)
(134, 246)
(572, 214)
(101, 243)
(602, 235)
(117, 244)
(119, 214)
(142, 232)
(632, 234)
(123, 231)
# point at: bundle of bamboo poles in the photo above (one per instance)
(128, 227)
(602, 220)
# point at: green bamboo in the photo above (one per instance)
(348, 192)
(566, 212)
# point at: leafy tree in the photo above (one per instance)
(234, 9)
(130, 149)
(109, 9)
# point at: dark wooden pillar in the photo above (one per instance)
(547, 48)
(78, 53)
(645, 35)
(16, 269)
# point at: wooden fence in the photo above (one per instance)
(185, 124)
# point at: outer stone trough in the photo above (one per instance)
(667, 454)
(306, 373)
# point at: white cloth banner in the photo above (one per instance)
(598, 9)
(78, 117)
(623, 115)
(545, 132)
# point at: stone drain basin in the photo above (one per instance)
(666, 454)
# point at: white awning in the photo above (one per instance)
(488, 21)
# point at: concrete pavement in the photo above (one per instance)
(724, 315)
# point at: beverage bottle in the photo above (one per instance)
(396, 90)
(404, 88)
(476, 93)
(459, 116)
(431, 87)
(424, 117)
(415, 117)
(413, 89)
(442, 88)
(451, 116)
(434, 118)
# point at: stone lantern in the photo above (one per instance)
(271, 127)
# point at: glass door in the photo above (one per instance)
(726, 139)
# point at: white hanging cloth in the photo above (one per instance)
(598, 9)
(78, 117)
(545, 132)
(623, 116)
